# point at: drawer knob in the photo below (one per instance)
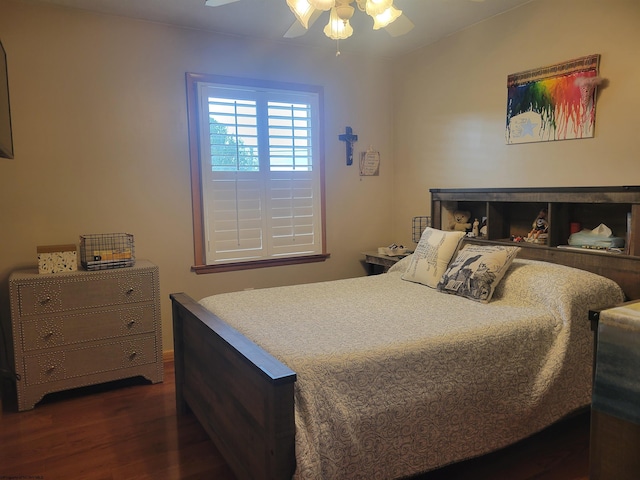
(51, 368)
(131, 323)
(130, 290)
(132, 355)
(48, 335)
(45, 300)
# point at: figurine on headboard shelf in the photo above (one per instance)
(475, 230)
(540, 226)
(483, 227)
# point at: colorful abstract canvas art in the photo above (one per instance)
(557, 102)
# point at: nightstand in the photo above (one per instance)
(378, 263)
(615, 409)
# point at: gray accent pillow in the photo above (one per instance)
(477, 270)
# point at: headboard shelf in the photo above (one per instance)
(510, 212)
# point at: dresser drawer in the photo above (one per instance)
(72, 362)
(73, 293)
(75, 328)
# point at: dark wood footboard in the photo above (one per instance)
(242, 396)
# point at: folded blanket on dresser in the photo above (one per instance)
(396, 378)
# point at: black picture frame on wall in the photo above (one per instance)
(6, 134)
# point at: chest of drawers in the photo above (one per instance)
(83, 328)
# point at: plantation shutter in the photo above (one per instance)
(260, 174)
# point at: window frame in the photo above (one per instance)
(193, 115)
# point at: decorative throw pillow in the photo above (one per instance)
(477, 270)
(401, 265)
(431, 256)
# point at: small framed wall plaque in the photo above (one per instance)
(369, 163)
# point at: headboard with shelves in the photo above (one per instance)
(511, 212)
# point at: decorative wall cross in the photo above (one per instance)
(349, 138)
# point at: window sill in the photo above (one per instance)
(275, 262)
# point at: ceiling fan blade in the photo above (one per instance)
(218, 3)
(297, 29)
(400, 26)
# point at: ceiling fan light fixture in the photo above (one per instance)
(337, 28)
(323, 5)
(377, 7)
(386, 17)
(344, 11)
(307, 12)
(302, 9)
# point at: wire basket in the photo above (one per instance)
(107, 250)
(418, 224)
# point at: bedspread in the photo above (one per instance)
(395, 378)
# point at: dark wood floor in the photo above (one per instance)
(130, 431)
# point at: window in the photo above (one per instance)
(257, 173)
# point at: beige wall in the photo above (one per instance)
(100, 134)
(451, 103)
(99, 116)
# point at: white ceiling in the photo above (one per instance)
(270, 19)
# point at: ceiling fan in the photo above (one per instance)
(383, 12)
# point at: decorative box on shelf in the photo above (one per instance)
(107, 250)
(57, 258)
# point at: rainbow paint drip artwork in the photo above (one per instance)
(557, 102)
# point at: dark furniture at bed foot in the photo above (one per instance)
(615, 413)
(615, 448)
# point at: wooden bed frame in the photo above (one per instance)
(244, 397)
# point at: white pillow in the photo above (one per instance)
(432, 256)
(401, 265)
(477, 270)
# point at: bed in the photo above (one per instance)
(380, 377)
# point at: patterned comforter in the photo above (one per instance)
(395, 378)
